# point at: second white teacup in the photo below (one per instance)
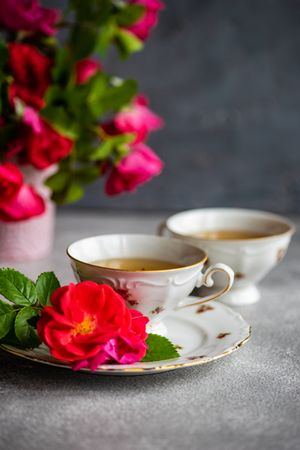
(251, 242)
(156, 292)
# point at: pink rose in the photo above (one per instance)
(11, 180)
(85, 69)
(18, 201)
(138, 167)
(27, 15)
(138, 119)
(149, 19)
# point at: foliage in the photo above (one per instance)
(46, 78)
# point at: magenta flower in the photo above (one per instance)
(88, 324)
(18, 201)
(138, 119)
(85, 69)
(126, 348)
(138, 167)
(149, 19)
(32, 119)
(27, 15)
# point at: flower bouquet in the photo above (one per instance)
(65, 121)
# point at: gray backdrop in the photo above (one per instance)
(225, 77)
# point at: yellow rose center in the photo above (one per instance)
(87, 326)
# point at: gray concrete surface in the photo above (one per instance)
(247, 401)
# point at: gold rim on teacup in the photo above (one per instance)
(152, 292)
(186, 266)
(291, 228)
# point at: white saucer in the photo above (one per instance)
(201, 334)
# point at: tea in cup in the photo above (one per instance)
(154, 274)
(251, 242)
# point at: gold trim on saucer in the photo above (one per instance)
(134, 370)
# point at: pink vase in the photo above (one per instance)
(33, 238)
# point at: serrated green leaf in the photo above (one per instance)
(127, 42)
(159, 348)
(46, 284)
(25, 332)
(7, 316)
(17, 288)
(130, 14)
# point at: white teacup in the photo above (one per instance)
(251, 258)
(155, 293)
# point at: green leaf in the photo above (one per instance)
(84, 38)
(106, 35)
(97, 11)
(24, 331)
(72, 194)
(59, 181)
(54, 95)
(46, 284)
(119, 96)
(109, 145)
(86, 175)
(61, 68)
(98, 88)
(17, 288)
(10, 338)
(130, 14)
(7, 316)
(61, 121)
(127, 42)
(159, 348)
(102, 151)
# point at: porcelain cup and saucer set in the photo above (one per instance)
(202, 329)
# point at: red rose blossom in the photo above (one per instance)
(89, 323)
(149, 19)
(138, 167)
(46, 147)
(31, 73)
(18, 201)
(11, 180)
(27, 15)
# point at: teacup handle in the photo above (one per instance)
(162, 228)
(208, 281)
